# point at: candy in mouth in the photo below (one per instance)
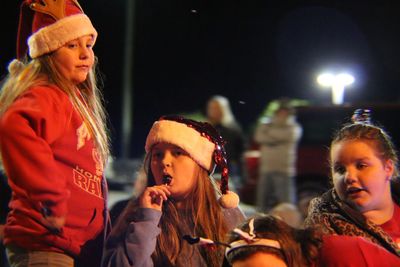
(167, 179)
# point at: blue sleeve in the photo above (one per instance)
(134, 247)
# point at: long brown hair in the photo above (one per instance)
(201, 212)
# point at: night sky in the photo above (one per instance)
(250, 51)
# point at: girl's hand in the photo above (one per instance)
(153, 197)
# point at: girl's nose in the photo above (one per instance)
(167, 159)
(83, 53)
(350, 176)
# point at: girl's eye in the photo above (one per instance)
(339, 169)
(157, 155)
(178, 152)
(361, 165)
(89, 45)
(72, 45)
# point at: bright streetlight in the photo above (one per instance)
(337, 83)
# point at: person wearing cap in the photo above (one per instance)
(180, 199)
(53, 140)
(278, 140)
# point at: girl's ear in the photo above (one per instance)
(389, 168)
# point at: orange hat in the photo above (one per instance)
(46, 25)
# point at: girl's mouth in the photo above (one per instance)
(353, 190)
(83, 67)
(167, 179)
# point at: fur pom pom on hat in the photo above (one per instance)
(46, 25)
(15, 66)
(201, 141)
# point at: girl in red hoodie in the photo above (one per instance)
(53, 139)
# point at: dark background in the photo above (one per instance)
(250, 51)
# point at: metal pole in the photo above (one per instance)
(127, 93)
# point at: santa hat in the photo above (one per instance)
(201, 141)
(46, 25)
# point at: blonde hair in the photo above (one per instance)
(85, 97)
(228, 119)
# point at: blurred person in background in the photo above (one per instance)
(219, 114)
(278, 139)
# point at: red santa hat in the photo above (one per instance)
(46, 25)
(201, 141)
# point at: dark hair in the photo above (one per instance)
(363, 129)
(299, 247)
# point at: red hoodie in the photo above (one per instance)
(354, 251)
(51, 162)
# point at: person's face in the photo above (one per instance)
(360, 177)
(75, 59)
(282, 114)
(167, 159)
(214, 112)
(260, 259)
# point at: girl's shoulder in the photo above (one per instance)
(48, 91)
(47, 96)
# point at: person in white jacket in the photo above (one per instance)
(278, 139)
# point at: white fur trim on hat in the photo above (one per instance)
(55, 35)
(198, 147)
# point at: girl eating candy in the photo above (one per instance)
(180, 199)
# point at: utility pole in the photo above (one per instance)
(127, 87)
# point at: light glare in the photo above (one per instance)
(337, 83)
(345, 79)
(326, 79)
